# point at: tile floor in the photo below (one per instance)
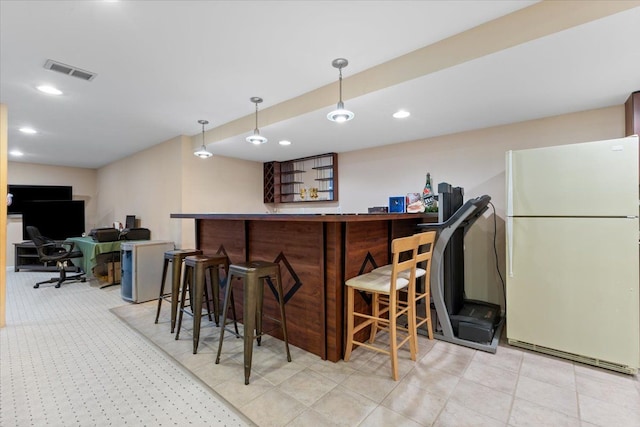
(448, 386)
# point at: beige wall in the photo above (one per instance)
(82, 180)
(218, 184)
(146, 185)
(167, 179)
(472, 160)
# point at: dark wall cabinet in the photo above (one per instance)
(309, 179)
(632, 114)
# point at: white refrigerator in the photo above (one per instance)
(572, 252)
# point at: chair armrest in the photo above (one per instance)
(71, 245)
(51, 246)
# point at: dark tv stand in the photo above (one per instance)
(26, 258)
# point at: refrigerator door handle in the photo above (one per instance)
(509, 173)
(510, 244)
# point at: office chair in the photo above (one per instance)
(51, 251)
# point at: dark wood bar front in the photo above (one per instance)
(316, 254)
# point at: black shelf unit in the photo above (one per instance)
(26, 258)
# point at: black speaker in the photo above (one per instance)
(135, 234)
(130, 221)
(108, 234)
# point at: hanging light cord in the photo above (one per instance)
(256, 129)
(340, 80)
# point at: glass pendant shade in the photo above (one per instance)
(340, 114)
(203, 153)
(256, 138)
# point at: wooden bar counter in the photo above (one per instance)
(316, 254)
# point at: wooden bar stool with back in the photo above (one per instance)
(426, 242)
(388, 306)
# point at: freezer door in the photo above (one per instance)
(572, 285)
(588, 179)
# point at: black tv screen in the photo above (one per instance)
(57, 219)
(29, 193)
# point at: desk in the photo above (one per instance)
(90, 250)
(316, 254)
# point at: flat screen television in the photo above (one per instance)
(29, 193)
(56, 219)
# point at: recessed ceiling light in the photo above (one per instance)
(50, 90)
(401, 114)
(284, 142)
(28, 130)
(16, 153)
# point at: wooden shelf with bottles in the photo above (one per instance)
(308, 179)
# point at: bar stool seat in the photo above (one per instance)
(175, 257)
(194, 283)
(255, 274)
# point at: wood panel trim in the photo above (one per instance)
(334, 280)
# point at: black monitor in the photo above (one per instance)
(29, 193)
(56, 219)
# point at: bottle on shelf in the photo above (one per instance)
(427, 196)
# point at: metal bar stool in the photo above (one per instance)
(175, 257)
(254, 273)
(194, 282)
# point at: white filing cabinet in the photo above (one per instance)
(141, 263)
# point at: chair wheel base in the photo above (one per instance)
(36, 286)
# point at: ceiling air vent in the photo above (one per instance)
(69, 70)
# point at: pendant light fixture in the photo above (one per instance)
(340, 114)
(203, 153)
(256, 138)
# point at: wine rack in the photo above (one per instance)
(309, 179)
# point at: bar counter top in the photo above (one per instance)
(316, 217)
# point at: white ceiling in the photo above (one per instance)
(163, 65)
